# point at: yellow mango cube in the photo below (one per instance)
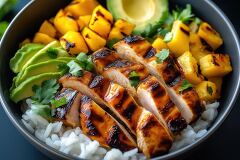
(48, 28)
(159, 44)
(215, 65)
(207, 91)
(190, 68)
(218, 81)
(100, 25)
(180, 38)
(81, 7)
(42, 38)
(100, 11)
(196, 47)
(86, 19)
(93, 40)
(211, 36)
(115, 34)
(74, 43)
(124, 26)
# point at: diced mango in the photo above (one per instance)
(100, 25)
(215, 65)
(180, 40)
(124, 26)
(159, 44)
(93, 40)
(218, 82)
(196, 47)
(48, 28)
(115, 34)
(81, 7)
(74, 43)
(86, 19)
(207, 91)
(211, 36)
(190, 68)
(100, 11)
(64, 23)
(42, 38)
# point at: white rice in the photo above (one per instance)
(74, 142)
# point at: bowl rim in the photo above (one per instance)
(43, 146)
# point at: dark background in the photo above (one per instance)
(224, 144)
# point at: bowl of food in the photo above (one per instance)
(119, 79)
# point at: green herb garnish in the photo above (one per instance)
(111, 42)
(75, 69)
(40, 109)
(162, 55)
(59, 102)
(168, 37)
(52, 52)
(134, 78)
(210, 90)
(45, 93)
(85, 61)
(184, 15)
(3, 27)
(63, 68)
(185, 85)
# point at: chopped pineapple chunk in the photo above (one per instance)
(64, 22)
(100, 11)
(215, 65)
(196, 47)
(180, 38)
(115, 34)
(85, 19)
(159, 44)
(218, 82)
(93, 40)
(81, 7)
(48, 28)
(190, 68)
(207, 91)
(211, 36)
(42, 38)
(100, 25)
(74, 43)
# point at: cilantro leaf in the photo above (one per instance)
(168, 37)
(185, 85)
(210, 90)
(184, 15)
(45, 92)
(39, 109)
(111, 42)
(163, 31)
(162, 55)
(75, 69)
(52, 52)
(85, 61)
(134, 78)
(59, 102)
(3, 27)
(63, 68)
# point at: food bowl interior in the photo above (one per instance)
(28, 22)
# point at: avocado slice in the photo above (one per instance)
(51, 51)
(51, 66)
(66, 59)
(24, 90)
(23, 55)
(145, 14)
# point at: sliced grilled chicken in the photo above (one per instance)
(132, 115)
(69, 113)
(152, 138)
(155, 98)
(107, 93)
(110, 65)
(168, 73)
(99, 125)
(171, 118)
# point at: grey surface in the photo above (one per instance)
(223, 144)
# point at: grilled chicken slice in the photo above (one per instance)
(152, 138)
(99, 125)
(168, 73)
(69, 113)
(110, 65)
(155, 98)
(109, 94)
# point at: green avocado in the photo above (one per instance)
(145, 14)
(51, 51)
(24, 90)
(51, 66)
(23, 55)
(66, 59)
